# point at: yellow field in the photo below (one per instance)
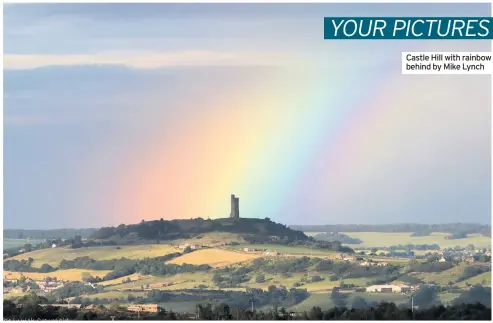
(117, 281)
(383, 239)
(53, 256)
(66, 274)
(213, 257)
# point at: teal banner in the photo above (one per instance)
(408, 28)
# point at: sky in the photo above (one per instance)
(117, 113)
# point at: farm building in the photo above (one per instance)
(153, 308)
(388, 289)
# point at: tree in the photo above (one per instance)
(477, 294)
(45, 268)
(216, 279)
(221, 312)
(339, 299)
(336, 245)
(316, 313)
(359, 302)
(425, 297)
(433, 258)
(78, 239)
(260, 279)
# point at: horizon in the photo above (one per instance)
(289, 225)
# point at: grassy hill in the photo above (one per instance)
(158, 268)
(53, 256)
(258, 229)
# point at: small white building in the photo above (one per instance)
(388, 289)
(53, 245)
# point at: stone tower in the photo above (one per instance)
(235, 207)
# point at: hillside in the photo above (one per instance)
(255, 230)
(53, 256)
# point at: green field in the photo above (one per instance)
(182, 307)
(180, 281)
(384, 239)
(443, 277)
(12, 243)
(53, 256)
(323, 300)
(483, 279)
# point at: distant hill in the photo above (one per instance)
(468, 228)
(255, 230)
(335, 236)
(47, 234)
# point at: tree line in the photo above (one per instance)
(119, 267)
(222, 311)
(468, 228)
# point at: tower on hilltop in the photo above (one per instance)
(235, 207)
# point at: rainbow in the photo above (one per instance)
(294, 135)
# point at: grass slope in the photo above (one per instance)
(53, 256)
(324, 301)
(180, 281)
(213, 257)
(12, 243)
(483, 279)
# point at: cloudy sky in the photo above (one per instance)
(114, 113)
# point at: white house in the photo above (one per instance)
(388, 289)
